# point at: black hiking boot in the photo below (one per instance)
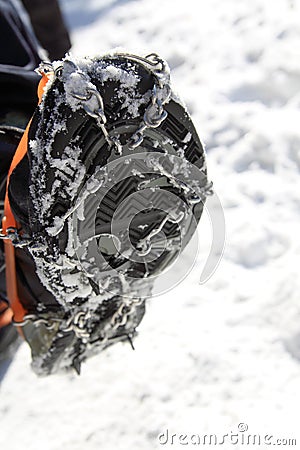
(108, 195)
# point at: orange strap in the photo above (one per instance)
(5, 314)
(9, 220)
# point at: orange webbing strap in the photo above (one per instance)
(17, 309)
(5, 314)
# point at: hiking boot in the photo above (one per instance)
(108, 195)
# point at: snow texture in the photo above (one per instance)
(210, 356)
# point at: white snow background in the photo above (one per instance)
(208, 357)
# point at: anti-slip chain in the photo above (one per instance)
(77, 322)
(92, 102)
(154, 114)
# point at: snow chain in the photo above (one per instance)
(153, 116)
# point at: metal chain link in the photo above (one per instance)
(121, 317)
(15, 236)
(144, 246)
(75, 323)
(155, 113)
(78, 321)
(126, 309)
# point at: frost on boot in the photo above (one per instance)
(117, 182)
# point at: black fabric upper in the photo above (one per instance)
(49, 26)
(18, 59)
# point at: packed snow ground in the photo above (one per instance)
(211, 356)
